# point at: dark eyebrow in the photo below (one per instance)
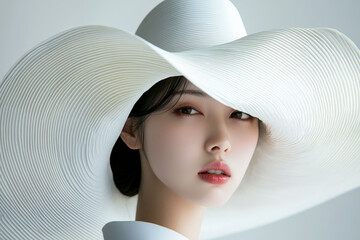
(192, 92)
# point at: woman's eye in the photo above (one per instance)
(186, 111)
(240, 115)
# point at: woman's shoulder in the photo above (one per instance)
(134, 230)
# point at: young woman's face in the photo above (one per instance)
(181, 142)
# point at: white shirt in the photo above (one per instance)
(136, 230)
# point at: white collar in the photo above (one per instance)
(133, 230)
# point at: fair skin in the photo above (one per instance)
(178, 144)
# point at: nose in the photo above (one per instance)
(218, 140)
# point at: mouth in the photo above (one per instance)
(212, 171)
(214, 178)
(217, 172)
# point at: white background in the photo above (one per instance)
(25, 23)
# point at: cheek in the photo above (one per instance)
(245, 142)
(171, 148)
(243, 147)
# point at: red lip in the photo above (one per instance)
(217, 165)
(215, 178)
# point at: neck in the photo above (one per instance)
(159, 205)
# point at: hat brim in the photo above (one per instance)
(63, 106)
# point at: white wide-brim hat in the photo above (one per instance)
(64, 103)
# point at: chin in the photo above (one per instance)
(215, 199)
(217, 203)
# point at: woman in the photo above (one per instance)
(184, 136)
(64, 104)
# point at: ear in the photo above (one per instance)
(129, 136)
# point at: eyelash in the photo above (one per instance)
(178, 111)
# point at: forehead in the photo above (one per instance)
(191, 86)
(191, 89)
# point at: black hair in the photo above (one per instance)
(124, 162)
